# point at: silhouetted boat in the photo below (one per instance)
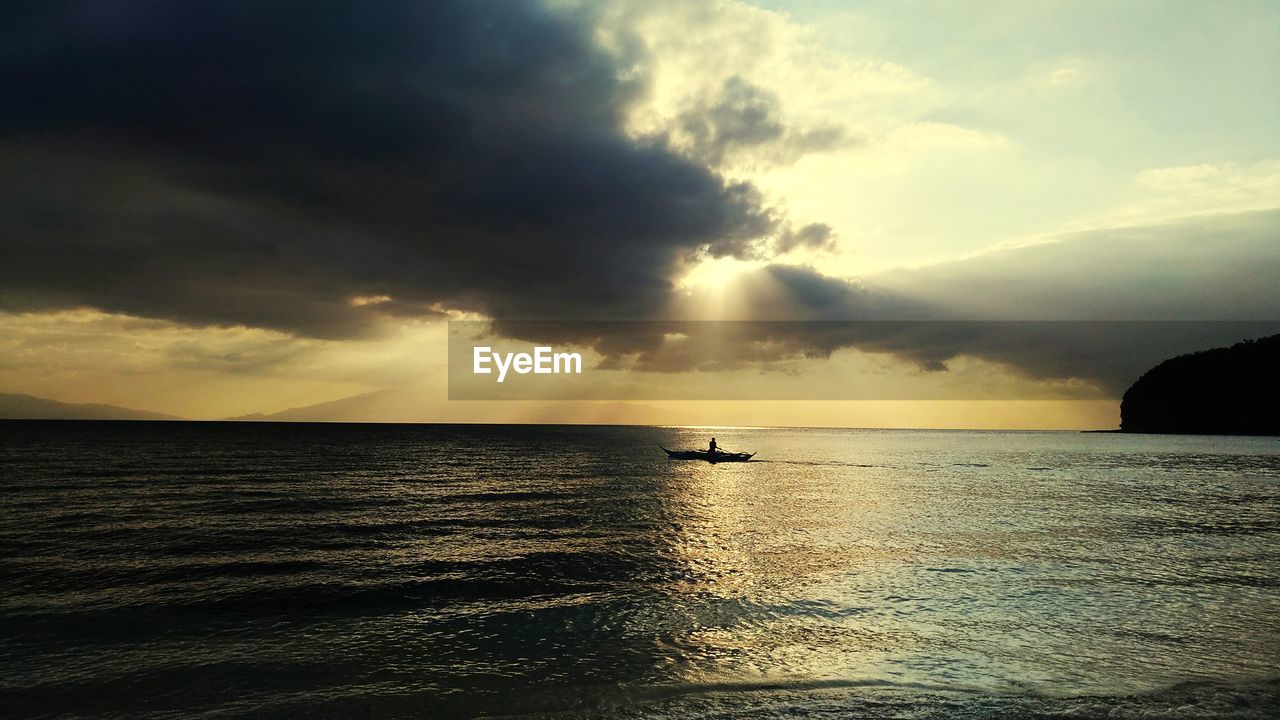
(717, 457)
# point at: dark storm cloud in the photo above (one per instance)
(814, 236)
(262, 163)
(744, 121)
(1099, 306)
(266, 164)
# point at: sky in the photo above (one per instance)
(215, 210)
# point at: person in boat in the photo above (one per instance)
(712, 449)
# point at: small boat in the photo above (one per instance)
(717, 457)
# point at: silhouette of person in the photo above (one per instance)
(713, 447)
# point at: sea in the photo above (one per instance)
(220, 570)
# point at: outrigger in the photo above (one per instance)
(711, 457)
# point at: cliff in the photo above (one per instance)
(1225, 391)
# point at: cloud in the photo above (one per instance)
(1063, 76)
(1207, 278)
(692, 50)
(1203, 267)
(87, 340)
(1066, 73)
(210, 372)
(1099, 306)
(269, 165)
(1206, 188)
(814, 236)
(743, 125)
(332, 170)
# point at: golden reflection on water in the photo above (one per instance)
(771, 590)
(459, 568)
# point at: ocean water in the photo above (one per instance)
(191, 570)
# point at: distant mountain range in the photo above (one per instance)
(28, 407)
(400, 405)
(357, 408)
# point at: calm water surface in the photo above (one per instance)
(219, 570)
